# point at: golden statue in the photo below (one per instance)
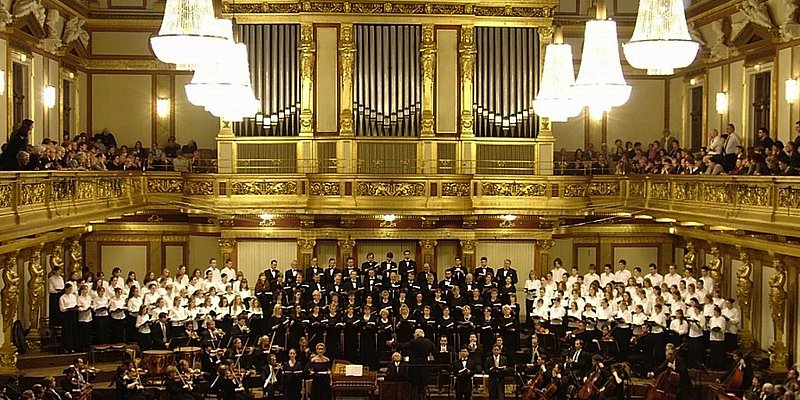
(10, 292)
(56, 257)
(688, 257)
(715, 266)
(745, 286)
(76, 255)
(36, 286)
(777, 298)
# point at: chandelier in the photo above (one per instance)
(188, 35)
(222, 86)
(660, 41)
(600, 84)
(555, 99)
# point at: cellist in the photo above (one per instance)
(595, 380)
(739, 377)
(674, 363)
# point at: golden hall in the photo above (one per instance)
(400, 199)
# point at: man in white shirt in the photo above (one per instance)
(672, 278)
(733, 140)
(622, 275)
(732, 321)
(228, 270)
(591, 276)
(655, 278)
(215, 272)
(573, 277)
(716, 144)
(705, 276)
(607, 276)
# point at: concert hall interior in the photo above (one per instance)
(400, 199)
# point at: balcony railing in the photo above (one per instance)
(49, 200)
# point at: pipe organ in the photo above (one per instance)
(387, 82)
(506, 82)
(274, 69)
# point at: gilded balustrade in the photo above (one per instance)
(73, 197)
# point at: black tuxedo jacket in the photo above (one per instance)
(395, 373)
(489, 365)
(157, 335)
(464, 373)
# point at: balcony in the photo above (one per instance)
(37, 202)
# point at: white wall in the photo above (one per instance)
(126, 257)
(201, 249)
(254, 256)
(635, 256)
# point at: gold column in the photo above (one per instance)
(689, 256)
(346, 247)
(307, 60)
(347, 49)
(715, 266)
(427, 59)
(545, 143)
(75, 256)
(466, 64)
(745, 295)
(36, 294)
(226, 246)
(468, 253)
(545, 248)
(778, 355)
(57, 257)
(428, 251)
(306, 247)
(10, 301)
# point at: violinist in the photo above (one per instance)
(271, 371)
(77, 379)
(240, 328)
(178, 388)
(463, 370)
(213, 335)
(129, 384)
(189, 334)
(739, 376)
(228, 386)
(674, 363)
(50, 391)
(209, 361)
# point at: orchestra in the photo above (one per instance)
(589, 332)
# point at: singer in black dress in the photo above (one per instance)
(292, 377)
(320, 370)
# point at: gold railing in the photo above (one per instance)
(48, 201)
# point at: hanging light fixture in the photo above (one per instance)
(223, 86)
(188, 34)
(661, 40)
(555, 99)
(600, 84)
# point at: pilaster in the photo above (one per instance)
(468, 253)
(9, 296)
(226, 247)
(744, 292)
(347, 49)
(306, 249)
(466, 65)
(778, 353)
(428, 252)
(346, 247)
(427, 59)
(36, 294)
(545, 253)
(226, 149)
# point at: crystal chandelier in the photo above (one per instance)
(555, 99)
(600, 84)
(660, 41)
(188, 34)
(223, 86)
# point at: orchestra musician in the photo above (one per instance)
(674, 363)
(129, 384)
(739, 376)
(178, 388)
(579, 359)
(78, 378)
(271, 374)
(228, 386)
(50, 391)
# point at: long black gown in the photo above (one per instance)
(368, 344)
(292, 380)
(333, 333)
(351, 328)
(320, 380)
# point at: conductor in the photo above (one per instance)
(418, 349)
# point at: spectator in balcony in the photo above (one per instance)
(577, 162)
(116, 163)
(732, 140)
(797, 138)
(590, 154)
(162, 163)
(106, 137)
(757, 165)
(171, 148)
(99, 163)
(16, 143)
(137, 149)
(562, 162)
(674, 148)
(653, 150)
(180, 163)
(741, 167)
(667, 138)
(713, 167)
(189, 149)
(601, 166)
(716, 144)
(156, 150)
(623, 165)
(784, 169)
(792, 155)
(763, 140)
(23, 162)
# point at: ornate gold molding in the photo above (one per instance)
(391, 189)
(466, 65)
(324, 188)
(715, 266)
(540, 10)
(778, 355)
(507, 189)
(308, 50)
(690, 254)
(76, 254)
(9, 297)
(744, 286)
(346, 247)
(262, 188)
(427, 59)
(347, 50)
(36, 289)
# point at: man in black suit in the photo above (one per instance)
(312, 270)
(739, 364)
(463, 369)
(291, 274)
(370, 263)
(397, 371)
(407, 264)
(579, 360)
(418, 350)
(331, 271)
(160, 333)
(496, 366)
(676, 364)
(507, 270)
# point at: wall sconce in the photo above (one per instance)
(49, 96)
(792, 90)
(722, 103)
(162, 107)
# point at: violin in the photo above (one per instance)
(636, 339)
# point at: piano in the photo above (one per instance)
(342, 384)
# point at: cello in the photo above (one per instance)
(666, 385)
(589, 390)
(530, 391)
